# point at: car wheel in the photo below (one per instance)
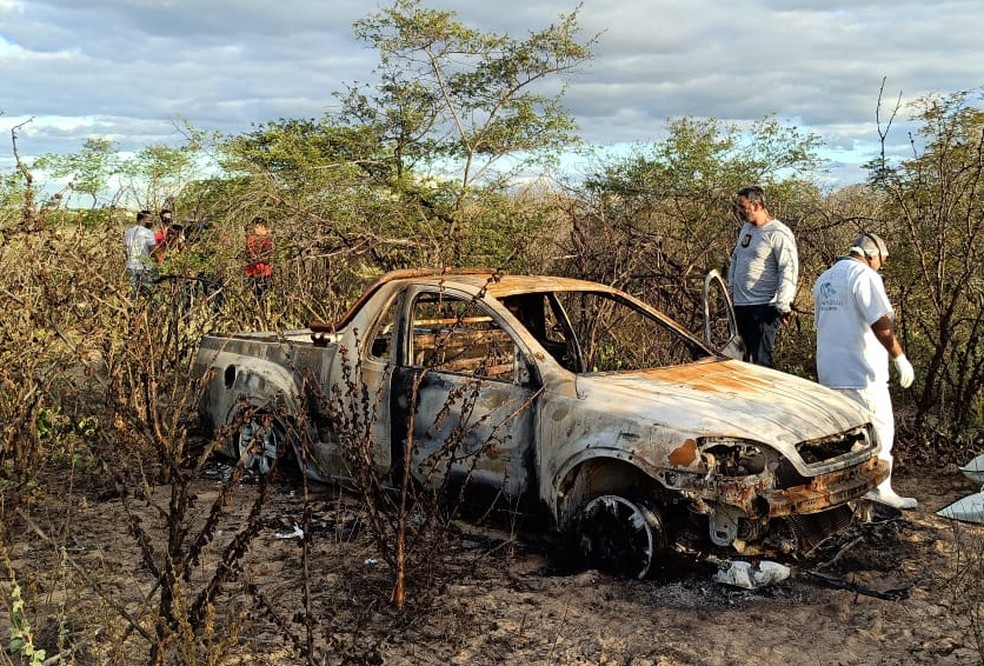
(620, 536)
(258, 443)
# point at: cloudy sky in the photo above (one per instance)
(129, 69)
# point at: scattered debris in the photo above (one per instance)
(876, 512)
(217, 471)
(751, 575)
(297, 533)
(831, 580)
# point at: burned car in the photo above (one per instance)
(563, 399)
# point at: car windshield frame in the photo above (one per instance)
(603, 331)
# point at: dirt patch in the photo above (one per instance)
(891, 592)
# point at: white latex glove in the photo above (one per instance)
(906, 373)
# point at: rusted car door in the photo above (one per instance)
(720, 329)
(379, 355)
(355, 403)
(463, 397)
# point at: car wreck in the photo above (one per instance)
(565, 400)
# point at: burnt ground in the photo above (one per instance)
(902, 591)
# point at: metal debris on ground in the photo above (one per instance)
(831, 580)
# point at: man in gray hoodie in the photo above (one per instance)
(762, 276)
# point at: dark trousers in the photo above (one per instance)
(261, 285)
(141, 282)
(757, 326)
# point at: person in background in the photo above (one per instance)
(762, 276)
(855, 339)
(140, 243)
(169, 236)
(259, 255)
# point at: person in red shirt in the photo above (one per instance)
(169, 236)
(259, 255)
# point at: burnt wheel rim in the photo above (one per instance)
(620, 536)
(259, 443)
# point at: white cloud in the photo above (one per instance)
(130, 68)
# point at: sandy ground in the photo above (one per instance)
(904, 591)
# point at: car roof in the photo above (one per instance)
(499, 285)
(473, 280)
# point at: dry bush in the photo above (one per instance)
(99, 405)
(98, 414)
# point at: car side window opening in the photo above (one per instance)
(543, 317)
(456, 335)
(382, 340)
(616, 335)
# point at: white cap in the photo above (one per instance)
(870, 245)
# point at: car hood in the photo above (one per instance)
(727, 398)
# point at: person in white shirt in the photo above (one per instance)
(140, 242)
(762, 275)
(855, 339)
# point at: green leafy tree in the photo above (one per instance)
(155, 176)
(328, 186)
(656, 221)
(89, 171)
(408, 161)
(11, 194)
(452, 103)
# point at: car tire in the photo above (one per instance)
(620, 536)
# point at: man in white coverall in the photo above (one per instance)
(856, 338)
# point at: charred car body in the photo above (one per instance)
(564, 398)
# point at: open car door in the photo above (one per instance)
(720, 328)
